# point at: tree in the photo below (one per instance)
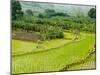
(41, 16)
(92, 13)
(16, 10)
(49, 12)
(29, 12)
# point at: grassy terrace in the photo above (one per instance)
(21, 47)
(54, 59)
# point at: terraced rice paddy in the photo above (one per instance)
(53, 56)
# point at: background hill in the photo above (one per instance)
(73, 10)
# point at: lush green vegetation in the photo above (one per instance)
(51, 24)
(49, 40)
(55, 59)
(53, 28)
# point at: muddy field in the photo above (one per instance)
(26, 36)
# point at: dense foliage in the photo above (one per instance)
(29, 12)
(16, 10)
(51, 24)
(92, 13)
(51, 13)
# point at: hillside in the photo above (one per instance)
(37, 7)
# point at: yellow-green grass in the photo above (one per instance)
(90, 63)
(54, 59)
(68, 35)
(19, 46)
(22, 47)
(54, 43)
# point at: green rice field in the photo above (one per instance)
(50, 37)
(52, 56)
